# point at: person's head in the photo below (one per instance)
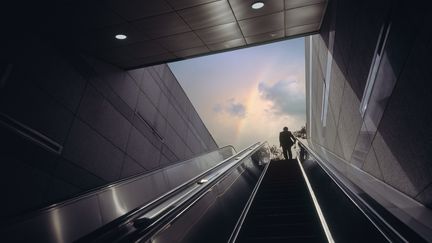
(285, 128)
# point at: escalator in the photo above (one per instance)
(301, 201)
(108, 206)
(164, 205)
(230, 197)
(282, 210)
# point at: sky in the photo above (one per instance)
(247, 95)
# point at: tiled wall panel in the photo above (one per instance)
(109, 123)
(391, 142)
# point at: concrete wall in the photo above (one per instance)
(108, 123)
(392, 141)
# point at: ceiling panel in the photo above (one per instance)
(114, 55)
(302, 29)
(133, 63)
(104, 38)
(182, 4)
(165, 30)
(162, 25)
(192, 52)
(88, 15)
(207, 15)
(262, 24)
(136, 9)
(300, 3)
(242, 8)
(220, 33)
(136, 50)
(146, 49)
(304, 15)
(227, 45)
(180, 42)
(274, 35)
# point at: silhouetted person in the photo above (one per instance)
(286, 140)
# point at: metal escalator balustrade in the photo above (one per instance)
(281, 207)
(273, 202)
(261, 201)
(181, 222)
(351, 214)
(70, 220)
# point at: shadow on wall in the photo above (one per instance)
(107, 123)
(392, 140)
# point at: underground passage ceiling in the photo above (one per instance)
(139, 33)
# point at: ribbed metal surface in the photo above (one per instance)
(283, 210)
(167, 30)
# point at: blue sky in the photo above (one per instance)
(247, 95)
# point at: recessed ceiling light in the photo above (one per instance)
(257, 5)
(120, 37)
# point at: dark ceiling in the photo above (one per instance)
(165, 30)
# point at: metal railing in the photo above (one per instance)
(245, 210)
(63, 222)
(149, 219)
(384, 227)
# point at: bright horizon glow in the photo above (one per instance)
(247, 95)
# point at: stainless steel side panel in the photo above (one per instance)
(213, 217)
(117, 201)
(62, 224)
(75, 218)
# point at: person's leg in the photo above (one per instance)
(289, 152)
(284, 150)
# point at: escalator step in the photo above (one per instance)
(290, 239)
(282, 210)
(299, 230)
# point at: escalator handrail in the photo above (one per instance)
(138, 212)
(243, 216)
(246, 208)
(324, 225)
(117, 183)
(42, 217)
(379, 222)
(176, 212)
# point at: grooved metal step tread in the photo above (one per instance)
(282, 210)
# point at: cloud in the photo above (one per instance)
(237, 109)
(231, 107)
(218, 108)
(285, 96)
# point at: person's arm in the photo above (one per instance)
(293, 138)
(280, 139)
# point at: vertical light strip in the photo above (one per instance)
(309, 132)
(379, 50)
(317, 206)
(327, 78)
(323, 103)
(327, 88)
